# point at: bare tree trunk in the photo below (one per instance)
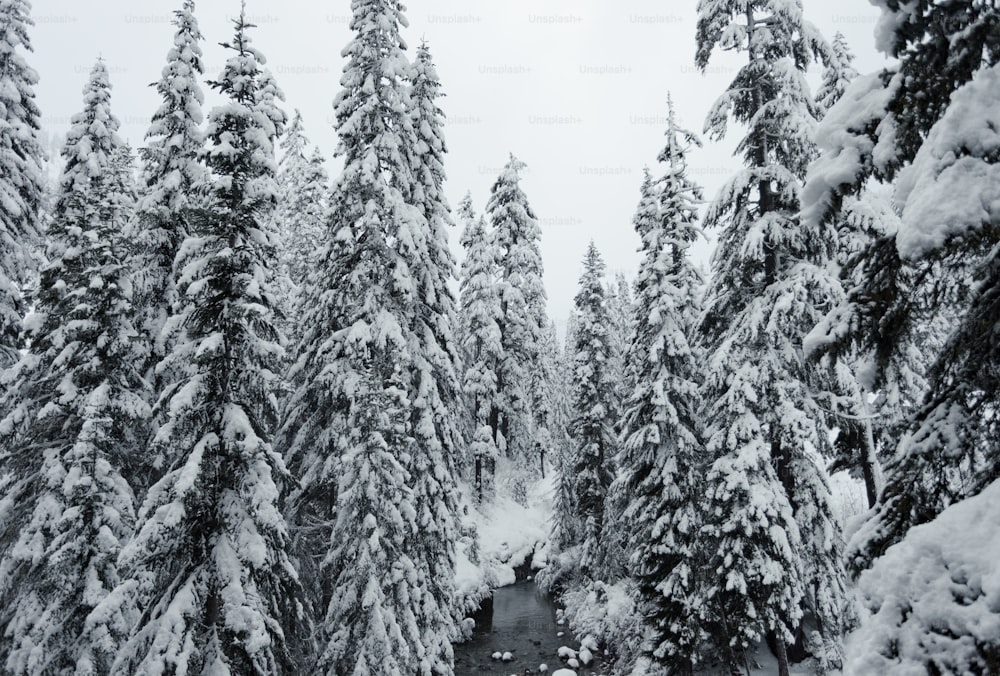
(869, 462)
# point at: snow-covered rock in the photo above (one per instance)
(507, 657)
(563, 672)
(566, 652)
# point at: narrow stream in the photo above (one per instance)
(524, 624)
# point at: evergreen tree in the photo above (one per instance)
(885, 385)
(621, 315)
(567, 531)
(592, 428)
(767, 501)
(838, 74)
(550, 427)
(372, 620)
(621, 307)
(927, 121)
(209, 562)
(170, 173)
(434, 387)
(301, 213)
(481, 349)
(522, 303)
(71, 413)
(21, 176)
(377, 364)
(662, 456)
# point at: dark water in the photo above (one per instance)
(524, 623)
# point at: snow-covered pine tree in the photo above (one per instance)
(522, 302)
(372, 619)
(885, 382)
(209, 562)
(622, 318)
(925, 122)
(593, 424)
(373, 364)
(550, 428)
(302, 210)
(838, 74)
(768, 505)
(930, 122)
(21, 175)
(481, 349)
(170, 173)
(71, 414)
(434, 386)
(662, 456)
(855, 447)
(621, 306)
(567, 531)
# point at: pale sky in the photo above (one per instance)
(575, 88)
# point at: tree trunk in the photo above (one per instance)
(479, 478)
(868, 472)
(782, 654)
(729, 653)
(869, 461)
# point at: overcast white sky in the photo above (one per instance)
(575, 88)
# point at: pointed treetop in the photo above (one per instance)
(465, 208)
(679, 140)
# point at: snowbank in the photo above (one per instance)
(509, 536)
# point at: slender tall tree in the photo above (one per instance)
(481, 343)
(209, 563)
(302, 210)
(662, 455)
(171, 171)
(21, 175)
(68, 434)
(768, 503)
(434, 388)
(592, 428)
(522, 304)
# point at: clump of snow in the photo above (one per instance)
(563, 672)
(953, 185)
(934, 598)
(846, 149)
